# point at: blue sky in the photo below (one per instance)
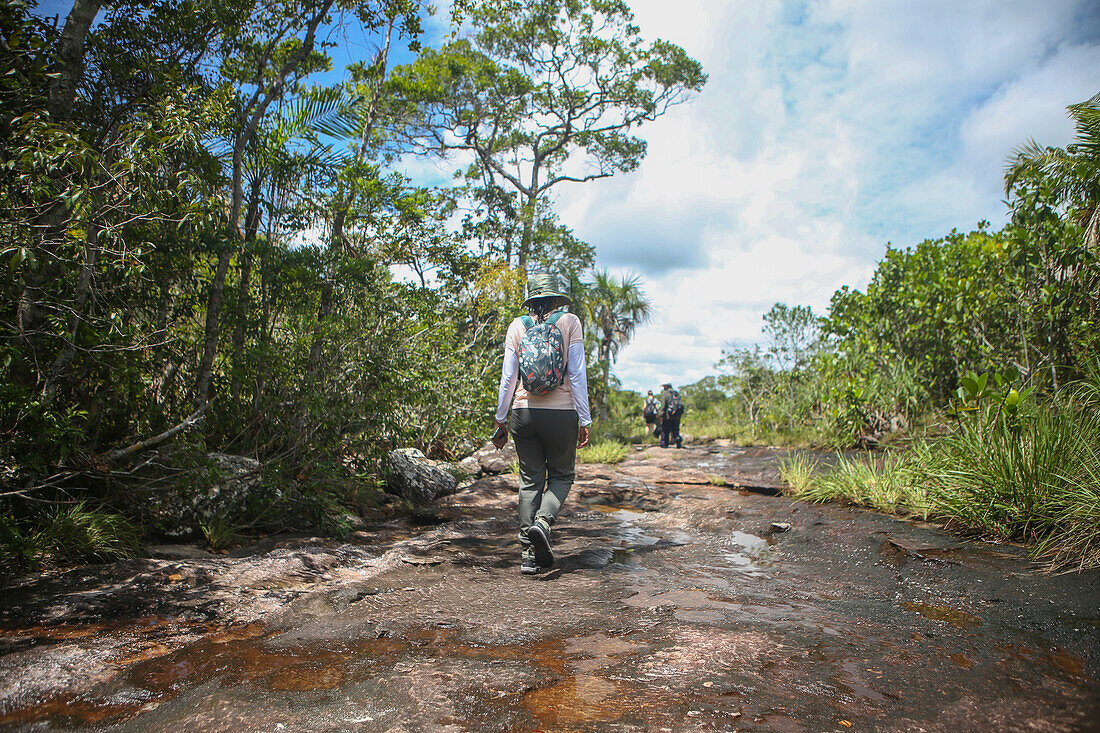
(828, 128)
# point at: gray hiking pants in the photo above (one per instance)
(546, 443)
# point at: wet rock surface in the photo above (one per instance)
(675, 606)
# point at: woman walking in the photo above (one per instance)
(550, 415)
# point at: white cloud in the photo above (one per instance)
(827, 129)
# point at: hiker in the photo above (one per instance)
(544, 350)
(649, 411)
(672, 409)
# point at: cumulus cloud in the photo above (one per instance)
(827, 129)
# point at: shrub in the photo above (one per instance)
(1031, 477)
(80, 532)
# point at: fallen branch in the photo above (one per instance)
(156, 440)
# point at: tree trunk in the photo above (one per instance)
(213, 326)
(68, 69)
(528, 231)
(65, 75)
(344, 201)
(83, 289)
(252, 225)
(605, 364)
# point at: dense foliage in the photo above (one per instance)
(210, 252)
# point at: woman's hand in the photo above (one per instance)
(582, 436)
(500, 437)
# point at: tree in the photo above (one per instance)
(615, 308)
(542, 92)
(1043, 183)
(1073, 171)
(746, 374)
(792, 333)
(704, 394)
(273, 49)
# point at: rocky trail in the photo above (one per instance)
(676, 605)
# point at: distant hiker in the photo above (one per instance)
(672, 409)
(550, 417)
(650, 408)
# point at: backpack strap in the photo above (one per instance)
(529, 322)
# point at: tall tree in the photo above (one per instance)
(792, 332)
(543, 92)
(275, 48)
(1041, 183)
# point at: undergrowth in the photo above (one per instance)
(1032, 477)
(82, 533)
(605, 451)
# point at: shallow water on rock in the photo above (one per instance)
(673, 606)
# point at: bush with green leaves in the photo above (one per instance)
(1008, 468)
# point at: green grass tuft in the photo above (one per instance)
(605, 451)
(1034, 478)
(220, 534)
(79, 532)
(888, 487)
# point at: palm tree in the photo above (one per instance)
(615, 307)
(1070, 177)
(1073, 171)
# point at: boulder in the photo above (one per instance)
(493, 461)
(417, 478)
(470, 466)
(234, 482)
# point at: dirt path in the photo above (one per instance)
(674, 607)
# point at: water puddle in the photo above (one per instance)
(621, 556)
(853, 675)
(617, 510)
(753, 554)
(625, 531)
(954, 616)
(961, 660)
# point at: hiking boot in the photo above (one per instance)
(679, 443)
(528, 566)
(539, 534)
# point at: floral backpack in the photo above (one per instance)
(542, 355)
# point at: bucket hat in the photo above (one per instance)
(545, 285)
